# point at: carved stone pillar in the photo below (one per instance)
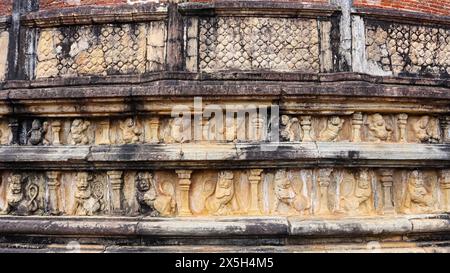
(254, 180)
(153, 130)
(56, 129)
(445, 127)
(445, 187)
(386, 182)
(102, 133)
(53, 187)
(116, 182)
(357, 121)
(324, 183)
(306, 128)
(402, 120)
(184, 184)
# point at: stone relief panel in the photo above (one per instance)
(4, 44)
(133, 130)
(289, 192)
(408, 49)
(253, 43)
(110, 49)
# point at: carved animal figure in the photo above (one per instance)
(359, 200)
(78, 131)
(379, 129)
(86, 202)
(417, 198)
(332, 129)
(130, 131)
(150, 201)
(286, 195)
(36, 135)
(20, 201)
(221, 201)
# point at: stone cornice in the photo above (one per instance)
(95, 15)
(257, 8)
(225, 155)
(402, 16)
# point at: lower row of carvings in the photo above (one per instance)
(305, 192)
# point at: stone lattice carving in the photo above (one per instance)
(37, 133)
(21, 196)
(78, 132)
(359, 199)
(332, 129)
(287, 200)
(131, 131)
(101, 50)
(246, 43)
(418, 199)
(88, 195)
(150, 200)
(426, 129)
(379, 130)
(402, 48)
(222, 201)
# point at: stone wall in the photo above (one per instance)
(247, 117)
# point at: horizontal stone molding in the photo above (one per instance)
(252, 8)
(5, 21)
(284, 227)
(94, 15)
(198, 156)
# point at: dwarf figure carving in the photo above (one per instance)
(287, 199)
(180, 129)
(417, 198)
(20, 200)
(130, 131)
(222, 201)
(78, 131)
(332, 129)
(290, 130)
(426, 130)
(358, 201)
(378, 128)
(150, 201)
(37, 133)
(87, 198)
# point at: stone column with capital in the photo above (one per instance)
(153, 132)
(387, 181)
(402, 121)
(115, 179)
(56, 129)
(357, 121)
(305, 123)
(445, 127)
(184, 185)
(254, 180)
(324, 180)
(53, 188)
(102, 133)
(445, 187)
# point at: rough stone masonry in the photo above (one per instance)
(90, 150)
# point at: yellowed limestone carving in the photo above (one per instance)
(20, 200)
(379, 130)
(150, 200)
(222, 201)
(131, 131)
(426, 129)
(291, 130)
(87, 198)
(359, 200)
(417, 198)
(287, 200)
(78, 132)
(332, 129)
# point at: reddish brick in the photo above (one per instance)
(436, 7)
(5, 7)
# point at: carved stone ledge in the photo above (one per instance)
(95, 15)
(197, 156)
(5, 21)
(252, 8)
